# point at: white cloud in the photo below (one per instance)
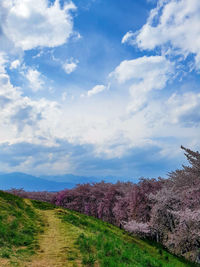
(173, 25)
(101, 123)
(138, 69)
(3, 62)
(76, 36)
(184, 108)
(22, 117)
(35, 79)
(96, 90)
(29, 24)
(70, 65)
(15, 64)
(128, 38)
(143, 75)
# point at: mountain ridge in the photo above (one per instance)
(51, 183)
(31, 183)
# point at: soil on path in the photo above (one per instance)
(57, 247)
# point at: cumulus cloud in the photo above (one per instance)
(144, 74)
(107, 132)
(3, 61)
(15, 64)
(35, 79)
(21, 117)
(70, 65)
(30, 24)
(33, 158)
(128, 38)
(184, 109)
(174, 26)
(140, 68)
(96, 90)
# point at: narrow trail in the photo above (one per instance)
(56, 245)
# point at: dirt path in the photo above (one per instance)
(56, 245)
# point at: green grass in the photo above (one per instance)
(42, 205)
(19, 227)
(102, 243)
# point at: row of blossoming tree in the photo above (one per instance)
(164, 210)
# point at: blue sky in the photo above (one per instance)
(98, 88)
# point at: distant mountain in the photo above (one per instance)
(31, 183)
(71, 178)
(47, 183)
(75, 179)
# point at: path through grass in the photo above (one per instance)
(56, 245)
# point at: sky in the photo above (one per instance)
(98, 88)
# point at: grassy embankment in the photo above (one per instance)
(102, 244)
(38, 234)
(20, 225)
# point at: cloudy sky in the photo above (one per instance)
(98, 88)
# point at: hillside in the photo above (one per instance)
(34, 233)
(20, 224)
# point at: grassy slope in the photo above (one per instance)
(20, 225)
(107, 245)
(69, 239)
